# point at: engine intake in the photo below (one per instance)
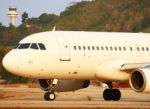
(139, 80)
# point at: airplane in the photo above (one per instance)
(67, 61)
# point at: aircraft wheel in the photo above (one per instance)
(116, 94)
(111, 94)
(107, 94)
(49, 96)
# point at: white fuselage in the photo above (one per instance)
(79, 55)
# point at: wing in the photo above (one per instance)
(130, 66)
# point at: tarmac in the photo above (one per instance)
(89, 98)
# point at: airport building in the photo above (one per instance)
(12, 14)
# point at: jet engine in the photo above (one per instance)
(140, 80)
(64, 85)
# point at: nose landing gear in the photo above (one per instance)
(50, 95)
(111, 94)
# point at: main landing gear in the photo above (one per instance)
(111, 94)
(50, 95)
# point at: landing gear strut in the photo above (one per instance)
(50, 95)
(110, 93)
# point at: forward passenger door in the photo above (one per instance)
(64, 48)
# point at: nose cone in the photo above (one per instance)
(9, 62)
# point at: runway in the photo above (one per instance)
(90, 98)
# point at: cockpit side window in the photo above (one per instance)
(34, 46)
(17, 46)
(42, 46)
(24, 46)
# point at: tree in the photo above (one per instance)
(2, 27)
(24, 17)
(46, 18)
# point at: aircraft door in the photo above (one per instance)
(64, 49)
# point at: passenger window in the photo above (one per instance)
(120, 48)
(111, 48)
(93, 47)
(147, 49)
(42, 47)
(75, 48)
(115, 48)
(131, 49)
(97, 48)
(84, 48)
(34, 46)
(88, 47)
(138, 49)
(124, 48)
(24, 46)
(143, 49)
(79, 47)
(106, 48)
(102, 48)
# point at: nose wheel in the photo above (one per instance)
(49, 96)
(111, 94)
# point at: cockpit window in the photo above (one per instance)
(17, 46)
(24, 46)
(42, 47)
(34, 46)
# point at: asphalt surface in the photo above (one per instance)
(90, 98)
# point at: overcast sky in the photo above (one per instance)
(33, 7)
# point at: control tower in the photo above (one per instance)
(12, 14)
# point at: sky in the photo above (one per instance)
(34, 8)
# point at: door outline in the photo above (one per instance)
(64, 49)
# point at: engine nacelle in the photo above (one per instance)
(140, 80)
(64, 85)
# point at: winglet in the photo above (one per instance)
(54, 28)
